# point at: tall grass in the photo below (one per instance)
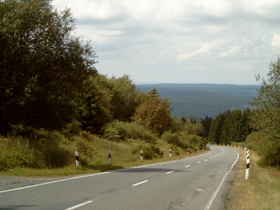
(260, 191)
(42, 150)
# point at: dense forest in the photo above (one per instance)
(54, 101)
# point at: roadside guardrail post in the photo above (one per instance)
(141, 155)
(110, 157)
(77, 158)
(247, 165)
(170, 153)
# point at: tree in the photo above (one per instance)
(42, 66)
(215, 129)
(154, 113)
(267, 115)
(95, 104)
(153, 93)
(124, 98)
(206, 124)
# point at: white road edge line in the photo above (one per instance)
(207, 207)
(79, 205)
(56, 181)
(187, 166)
(198, 163)
(139, 183)
(170, 172)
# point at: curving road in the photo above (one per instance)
(199, 182)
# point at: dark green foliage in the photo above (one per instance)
(42, 66)
(206, 123)
(230, 126)
(266, 117)
(95, 104)
(124, 98)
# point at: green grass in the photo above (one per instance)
(93, 153)
(260, 191)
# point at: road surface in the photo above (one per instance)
(198, 182)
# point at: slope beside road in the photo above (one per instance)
(198, 182)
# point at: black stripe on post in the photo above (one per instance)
(247, 165)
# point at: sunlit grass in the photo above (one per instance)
(122, 157)
(260, 191)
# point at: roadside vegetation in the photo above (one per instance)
(54, 102)
(260, 191)
(33, 152)
(257, 129)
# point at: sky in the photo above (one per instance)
(180, 41)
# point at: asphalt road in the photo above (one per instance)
(199, 182)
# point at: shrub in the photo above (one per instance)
(16, 152)
(123, 130)
(150, 151)
(178, 139)
(72, 129)
(45, 144)
(175, 150)
(265, 146)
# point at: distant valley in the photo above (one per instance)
(203, 100)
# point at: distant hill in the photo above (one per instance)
(203, 100)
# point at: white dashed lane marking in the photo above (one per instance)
(138, 183)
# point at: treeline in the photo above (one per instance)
(52, 99)
(230, 126)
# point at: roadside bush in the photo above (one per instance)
(150, 151)
(175, 150)
(256, 141)
(179, 139)
(123, 130)
(184, 140)
(15, 152)
(45, 144)
(264, 146)
(86, 150)
(72, 129)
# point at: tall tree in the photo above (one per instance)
(95, 104)
(267, 115)
(42, 66)
(124, 98)
(154, 113)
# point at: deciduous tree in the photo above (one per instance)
(42, 66)
(267, 115)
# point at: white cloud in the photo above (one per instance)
(231, 51)
(276, 43)
(137, 36)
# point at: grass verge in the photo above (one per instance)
(123, 156)
(260, 191)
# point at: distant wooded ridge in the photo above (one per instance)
(201, 100)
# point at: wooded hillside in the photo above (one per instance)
(203, 100)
